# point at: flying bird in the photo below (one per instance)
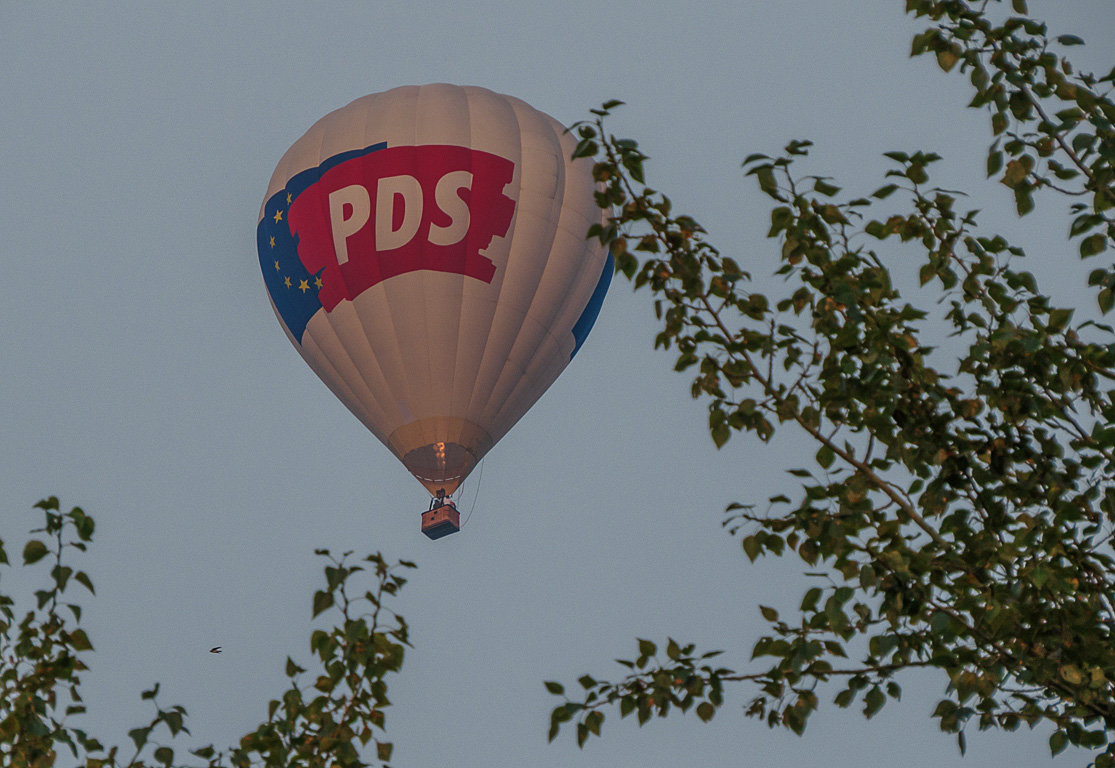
(215, 649)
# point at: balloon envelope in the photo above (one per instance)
(425, 251)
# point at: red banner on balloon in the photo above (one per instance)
(401, 209)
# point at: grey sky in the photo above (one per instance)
(144, 376)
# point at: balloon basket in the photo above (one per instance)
(441, 521)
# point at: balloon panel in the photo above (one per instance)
(424, 248)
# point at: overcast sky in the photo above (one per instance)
(143, 374)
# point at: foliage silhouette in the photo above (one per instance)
(332, 721)
(961, 503)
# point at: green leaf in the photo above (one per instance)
(825, 457)
(1105, 298)
(822, 187)
(799, 147)
(751, 547)
(873, 701)
(139, 736)
(164, 755)
(83, 523)
(994, 162)
(720, 434)
(555, 688)
(809, 601)
(768, 613)
(926, 273)
(61, 575)
(79, 641)
(1019, 6)
(1092, 245)
(705, 711)
(876, 229)
(585, 148)
(884, 192)
(1057, 742)
(82, 578)
(1072, 674)
(947, 60)
(35, 727)
(939, 623)
(34, 551)
(634, 166)
(1016, 173)
(323, 601)
(1059, 318)
(765, 175)
(383, 750)
(173, 720)
(1070, 40)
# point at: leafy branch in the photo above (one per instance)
(961, 505)
(333, 722)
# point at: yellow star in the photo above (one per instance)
(278, 216)
(276, 266)
(303, 286)
(286, 281)
(272, 241)
(317, 282)
(288, 198)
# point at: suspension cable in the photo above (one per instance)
(476, 495)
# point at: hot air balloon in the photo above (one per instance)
(424, 249)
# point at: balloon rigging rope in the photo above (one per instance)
(476, 495)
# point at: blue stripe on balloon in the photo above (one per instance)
(292, 288)
(592, 310)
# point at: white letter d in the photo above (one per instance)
(410, 190)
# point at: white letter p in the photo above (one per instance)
(356, 198)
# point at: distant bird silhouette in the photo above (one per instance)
(215, 649)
